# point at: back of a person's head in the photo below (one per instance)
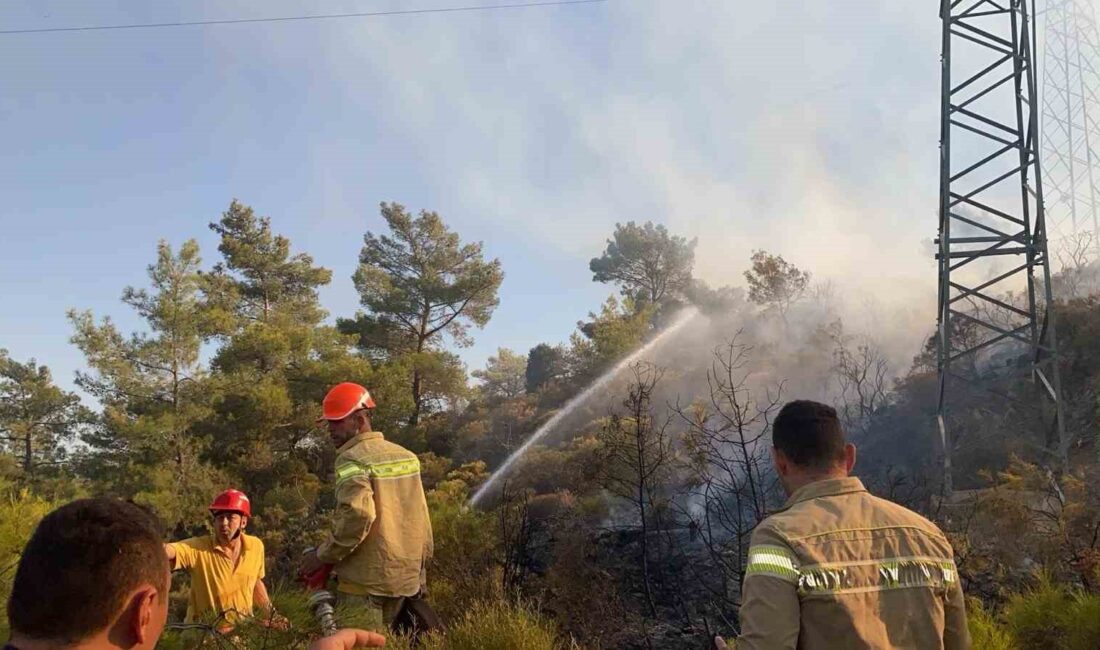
(809, 435)
(83, 561)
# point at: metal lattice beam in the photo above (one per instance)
(1071, 117)
(993, 310)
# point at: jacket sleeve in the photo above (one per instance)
(770, 611)
(956, 634)
(354, 513)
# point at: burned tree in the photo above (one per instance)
(727, 456)
(516, 530)
(636, 461)
(862, 374)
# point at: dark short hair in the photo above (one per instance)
(82, 562)
(809, 434)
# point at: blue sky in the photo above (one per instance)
(802, 127)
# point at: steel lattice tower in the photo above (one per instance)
(992, 229)
(1071, 110)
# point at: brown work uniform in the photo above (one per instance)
(839, 568)
(381, 533)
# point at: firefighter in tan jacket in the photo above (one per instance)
(381, 536)
(837, 567)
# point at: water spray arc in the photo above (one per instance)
(682, 319)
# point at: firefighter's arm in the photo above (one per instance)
(956, 634)
(354, 514)
(770, 611)
(260, 597)
(181, 555)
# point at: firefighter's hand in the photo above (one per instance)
(310, 563)
(348, 639)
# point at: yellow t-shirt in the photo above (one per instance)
(216, 585)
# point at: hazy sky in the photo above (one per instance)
(807, 128)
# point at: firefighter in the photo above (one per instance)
(381, 538)
(838, 568)
(226, 567)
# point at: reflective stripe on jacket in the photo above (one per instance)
(381, 533)
(840, 568)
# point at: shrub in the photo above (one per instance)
(464, 568)
(985, 631)
(497, 625)
(1040, 617)
(1084, 623)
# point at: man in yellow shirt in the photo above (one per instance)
(227, 567)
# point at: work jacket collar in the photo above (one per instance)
(358, 438)
(827, 488)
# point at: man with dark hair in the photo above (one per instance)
(94, 576)
(837, 567)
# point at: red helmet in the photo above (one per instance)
(232, 501)
(345, 399)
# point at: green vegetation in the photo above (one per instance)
(1046, 615)
(628, 526)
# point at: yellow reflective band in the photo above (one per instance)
(396, 469)
(349, 470)
(775, 561)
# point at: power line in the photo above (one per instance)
(238, 21)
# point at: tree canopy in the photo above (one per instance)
(37, 419)
(646, 261)
(420, 283)
(503, 376)
(775, 282)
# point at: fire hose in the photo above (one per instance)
(321, 601)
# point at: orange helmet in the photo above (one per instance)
(232, 501)
(345, 399)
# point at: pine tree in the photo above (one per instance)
(153, 389)
(419, 284)
(37, 419)
(277, 356)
